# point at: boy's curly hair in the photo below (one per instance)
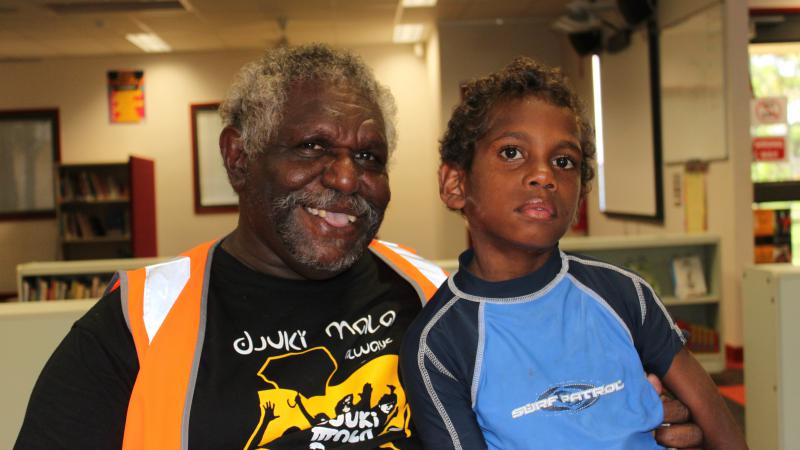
(523, 77)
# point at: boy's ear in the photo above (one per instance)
(234, 157)
(452, 181)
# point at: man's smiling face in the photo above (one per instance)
(317, 193)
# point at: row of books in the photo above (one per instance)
(91, 186)
(79, 225)
(51, 288)
(699, 338)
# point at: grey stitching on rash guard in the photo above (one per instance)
(642, 304)
(423, 348)
(672, 323)
(476, 374)
(638, 281)
(438, 364)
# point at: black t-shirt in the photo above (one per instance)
(285, 364)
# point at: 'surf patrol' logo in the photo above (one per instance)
(568, 397)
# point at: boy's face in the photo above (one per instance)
(523, 189)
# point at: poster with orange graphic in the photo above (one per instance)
(126, 96)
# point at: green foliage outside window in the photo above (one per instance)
(773, 75)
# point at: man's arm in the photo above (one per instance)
(687, 379)
(81, 397)
(676, 431)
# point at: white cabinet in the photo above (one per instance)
(772, 356)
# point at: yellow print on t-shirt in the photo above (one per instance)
(368, 403)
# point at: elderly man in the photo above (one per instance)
(285, 333)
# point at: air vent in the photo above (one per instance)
(113, 6)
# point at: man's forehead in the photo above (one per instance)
(331, 98)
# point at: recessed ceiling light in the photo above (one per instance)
(408, 32)
(418, 3)
(148, 42)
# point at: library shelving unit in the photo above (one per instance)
(71, 280)
(106, 210)
(652, 256)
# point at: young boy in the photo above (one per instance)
(527, 347)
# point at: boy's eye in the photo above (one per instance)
(564, 162)
(510, 153)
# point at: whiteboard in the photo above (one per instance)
(631, 160)
(693, 88)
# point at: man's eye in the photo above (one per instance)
(312, 146)
(510, 153)
(366, 156)
(564, 162)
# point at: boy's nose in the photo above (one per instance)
(342, 173)
(541, 177)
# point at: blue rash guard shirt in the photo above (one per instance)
(555, 359)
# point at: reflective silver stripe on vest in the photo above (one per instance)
(198, 349)
(123, 293)
(429, 270)
(163, 284)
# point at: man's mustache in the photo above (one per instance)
(330, 199)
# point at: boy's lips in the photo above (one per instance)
(538, 209)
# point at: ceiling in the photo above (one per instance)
(33, 29)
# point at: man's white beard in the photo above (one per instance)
(301, 248)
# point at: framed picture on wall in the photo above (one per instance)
(212, 191)
(29, 149)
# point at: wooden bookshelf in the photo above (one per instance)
(106, 210)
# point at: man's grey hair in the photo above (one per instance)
(255, 102)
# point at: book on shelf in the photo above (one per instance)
(63, 288)
(92, 186)
(79, 225)
(699, 338)
(687, 273)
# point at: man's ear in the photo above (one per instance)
(234, 157)
(452, 181)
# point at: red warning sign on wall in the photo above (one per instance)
(771, 148)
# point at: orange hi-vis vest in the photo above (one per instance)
(165, 309)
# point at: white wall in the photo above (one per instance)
(414, 209)
(78, 88)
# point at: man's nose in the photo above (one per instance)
(342, 173)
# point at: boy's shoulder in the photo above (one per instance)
(587, 269)
(624, 290)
